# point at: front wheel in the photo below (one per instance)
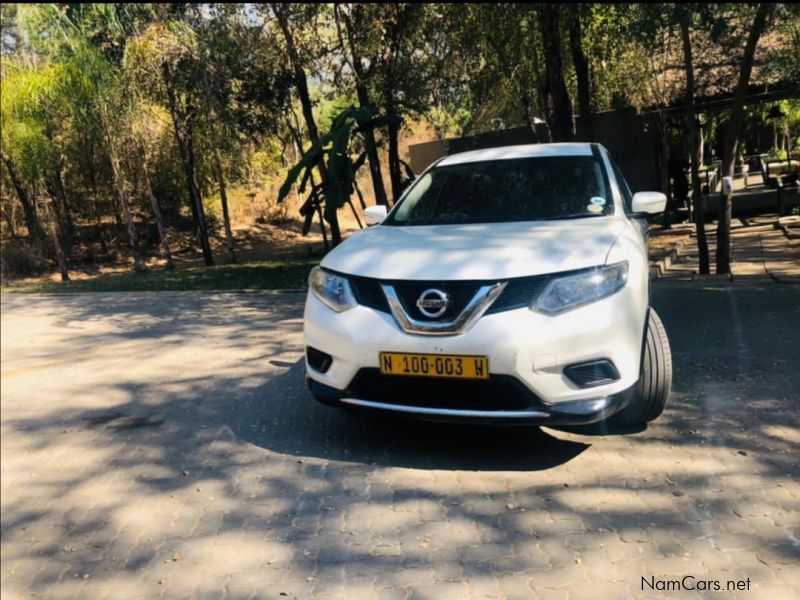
(652, 390)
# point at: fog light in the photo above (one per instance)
(318, 360)
(591, 374)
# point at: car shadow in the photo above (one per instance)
(283, 417)
(602, 429)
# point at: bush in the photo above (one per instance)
(24, 259)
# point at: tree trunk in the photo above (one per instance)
(223, 196)
(586, 128)
(184, 139)
(694, 149)
(9, 213)
(162, 230)
(731, 138)
(322, 227)
(540, 89)
(32, 223)
(561, 115)
(55, 189)
(308, 110)
(395, 174)
(309, 217)
(55, 230)
(371, 147)
(702, 143)
(358, 193)
(65, 207)
(663, 167)
(527, 111)
(95, 200)
(122, 192)
(197, 198)
(333, 222)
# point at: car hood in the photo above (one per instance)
(477, 251)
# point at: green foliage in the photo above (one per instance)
(34, 102)
(335, 151)
(330, 108)
(77, 78)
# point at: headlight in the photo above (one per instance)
(572, 291)
(334, 291)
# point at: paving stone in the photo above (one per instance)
(300, 499)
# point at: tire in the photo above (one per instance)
(651, 392)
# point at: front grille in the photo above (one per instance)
(460, 293)
(499, 392)
(519, 293)
(368, 292)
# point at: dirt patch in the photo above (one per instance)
(663, 243)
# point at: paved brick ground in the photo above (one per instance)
(163, 445)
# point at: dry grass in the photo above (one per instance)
(664, 242)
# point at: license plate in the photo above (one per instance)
(435, 365)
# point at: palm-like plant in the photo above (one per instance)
(341, 151)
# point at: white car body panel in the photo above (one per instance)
(496, 251)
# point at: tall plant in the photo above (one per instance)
(334, 150)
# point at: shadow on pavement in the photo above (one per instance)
(247, 467)
(388, 440)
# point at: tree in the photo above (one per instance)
(33, 101)
(731, 135)
(163, 64)
(85, 77)
(116, 117)
(28, 206)
(183, 111)
(694, 140)
(354, 32)
(162, 230)
(504, 72)
(285, 14)
(560, 114)
(581, 64)
(398, 79)
(245, 89)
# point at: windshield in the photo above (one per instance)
(523, 189)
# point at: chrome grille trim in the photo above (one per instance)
(479, 304)
(448, 412)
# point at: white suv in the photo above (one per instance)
(507, 285)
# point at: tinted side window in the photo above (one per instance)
(627, 196)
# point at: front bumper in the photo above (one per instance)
(524, 347)
(575, 412)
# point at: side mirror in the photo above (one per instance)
(374, 214)
(650, 203)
